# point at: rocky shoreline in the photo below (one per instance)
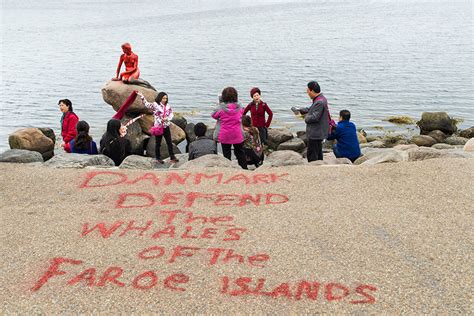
(438, 138)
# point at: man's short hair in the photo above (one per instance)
(314, 86)
(200, 129)
(345, 115)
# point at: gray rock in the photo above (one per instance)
(469, 146)
(284, 158)
(150, 148)
(79, 161)
(382, 156)
(276, 136)
(390, 141)
(456, 140)
(438, 135)
(330, 159)
(135, 135)
(295, 144)
(423, 153)
(372, 138)
(373, 144)
(467, 133)
(32, 139)
(209, 161)
(180, 121)
(189, 130)
(423, 140)
(431, 121)
(442, 146)
(20, 156)
(140, 162)
(302, 136)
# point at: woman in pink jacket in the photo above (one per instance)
(228, 130)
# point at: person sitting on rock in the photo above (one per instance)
(113, 144)
(252, 145)
(202, 145)
(130, 59)
(83, 143)
(68, 123)
(347, 145)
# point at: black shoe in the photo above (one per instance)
(160, 161)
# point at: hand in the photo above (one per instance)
(123, 131)
(295, 109)
(63, 144)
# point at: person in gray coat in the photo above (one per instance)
(202, 145)
(317, 121)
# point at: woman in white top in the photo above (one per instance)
(163, 116)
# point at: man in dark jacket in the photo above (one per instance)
(202, 145)
(346, 135)
(317, 121)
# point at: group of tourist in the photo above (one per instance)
(246, 135)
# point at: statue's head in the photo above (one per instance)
(127, 48)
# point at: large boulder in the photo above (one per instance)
(431, 121)
(276, 136)
(20, 156)
(79, 161)
(423, 140)
(139, 162)
(48, 132)
(456, 140)
(295, 144)
(116, 92)
(135, 135)
(209, 161)
(405, 147)
(32, 139)
(284, 158)
(467, 133)
(177, 134)
(150, 148)
(469, 146)
(183, 158)
(442, 146)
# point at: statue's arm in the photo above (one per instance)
(119, 66)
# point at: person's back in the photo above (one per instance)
(202, 145)
(346, 136)
(83, 143)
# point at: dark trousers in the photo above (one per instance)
(238, 152)
(252, 157)
(263, 131)
(315, 149)
(169, 143)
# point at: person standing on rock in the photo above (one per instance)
(69, 120)
(257, 109)
(228, 130)
(163, 115)
(317, 121)
(113, 144)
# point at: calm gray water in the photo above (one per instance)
(375, 58)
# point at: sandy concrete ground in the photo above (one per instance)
(390, 238)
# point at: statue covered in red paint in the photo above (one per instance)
(130, 59)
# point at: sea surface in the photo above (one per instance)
(376, 58)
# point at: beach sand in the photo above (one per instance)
(390, 238)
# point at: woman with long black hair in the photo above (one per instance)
(83, 143)
(113, 144)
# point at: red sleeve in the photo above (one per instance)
(67, 147)
(270, 115)
(247, 108)
(69, 127)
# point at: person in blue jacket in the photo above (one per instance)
(347, 145)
